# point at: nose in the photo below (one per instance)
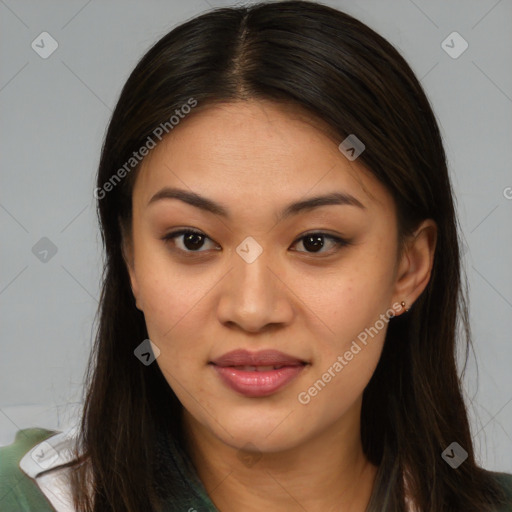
(254, 296)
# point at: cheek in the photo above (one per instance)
(172, 298)
(345, 359)
(354, 303)
(357, 317)
(171, 311)
(349, 299)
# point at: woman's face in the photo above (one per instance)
(253, 281)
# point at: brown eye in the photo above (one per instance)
(187, 240)
(315, 242)
(192, 241)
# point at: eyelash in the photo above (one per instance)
(339, 242)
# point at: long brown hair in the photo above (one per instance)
(348, 76)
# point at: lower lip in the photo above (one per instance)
(255, 384)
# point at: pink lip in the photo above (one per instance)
(261, 358)
(253, 383)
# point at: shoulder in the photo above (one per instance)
(504, 481)
(30, 478)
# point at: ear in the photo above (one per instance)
(415, 265)
(128, 257)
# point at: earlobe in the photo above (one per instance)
(415, 267)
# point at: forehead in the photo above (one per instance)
(254, 151)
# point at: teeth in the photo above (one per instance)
(258, 368)
(265, 368)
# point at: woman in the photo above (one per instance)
(282, 281)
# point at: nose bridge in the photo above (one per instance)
(254, 296)
(254, 275)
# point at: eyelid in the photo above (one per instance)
(338, 240)
(175, 234)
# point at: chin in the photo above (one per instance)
(269, 433)
(259, 443)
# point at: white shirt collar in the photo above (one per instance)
(42, 463)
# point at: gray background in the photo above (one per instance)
(54, 113)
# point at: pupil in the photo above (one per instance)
(193, 238)
(311, 242)
(316, 242)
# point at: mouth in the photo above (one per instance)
(257, 374)
(257, 368)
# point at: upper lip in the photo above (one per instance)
(260, 358)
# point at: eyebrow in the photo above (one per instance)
(333, 198)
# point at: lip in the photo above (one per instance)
(260, 358)
(233, 370)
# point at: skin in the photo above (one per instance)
(256, 157)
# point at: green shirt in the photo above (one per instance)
(25, 487)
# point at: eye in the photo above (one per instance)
(314, 242)
(192, 241)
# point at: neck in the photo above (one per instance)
(327, 473)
